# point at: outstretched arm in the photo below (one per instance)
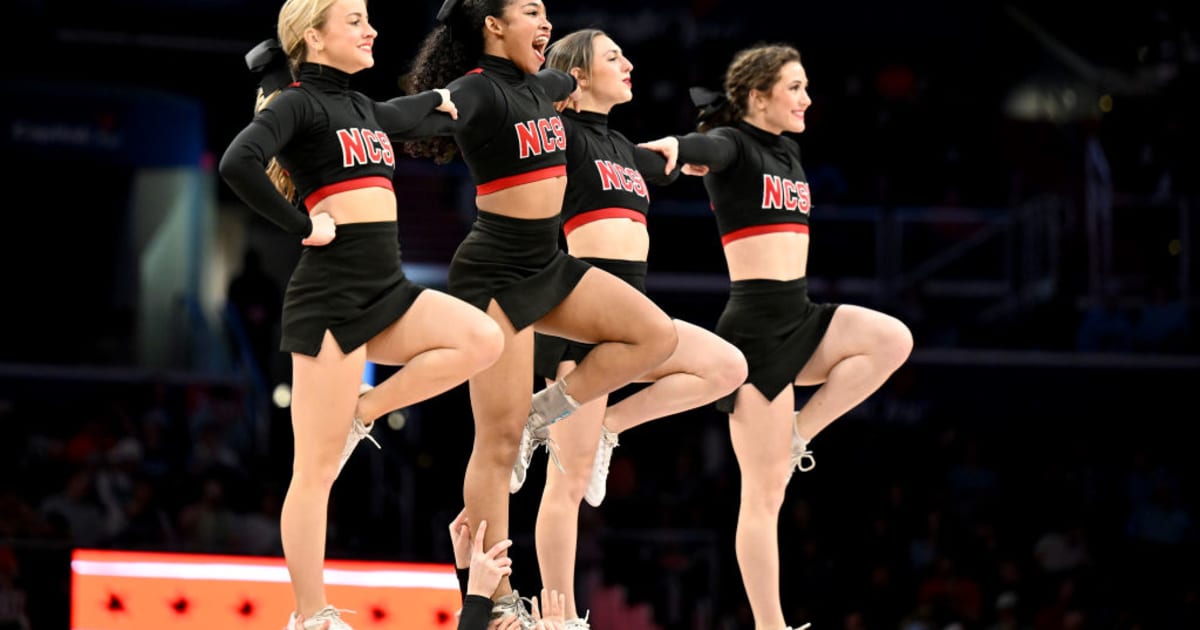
(653, 166)
(713, 150)
(429, 113)
(558, 84)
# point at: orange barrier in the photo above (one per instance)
(123, 590)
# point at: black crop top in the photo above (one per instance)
(606, 173)
(508, 130)
(755, 181)
(328, 137)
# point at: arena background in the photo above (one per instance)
(1017, 182)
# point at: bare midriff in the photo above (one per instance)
(539, 199)
(617, 239)
(361, 205)
(772, 256)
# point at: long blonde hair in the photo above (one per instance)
(295, 17)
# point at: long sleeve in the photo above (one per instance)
(476, 613)
(243, 165)
(413, 117)
(480, 113)
(652, 165)
(464, 576)
(557, 84)
(713, 149)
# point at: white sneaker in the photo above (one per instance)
(802, 458)
(317, 621)
(358, 432)
(598, 484)
(515, 605)
(534, 434)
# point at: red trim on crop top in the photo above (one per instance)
(755, 230)
(342, 186)
(583, 218)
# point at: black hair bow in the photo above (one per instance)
(448, 7)
(709, 101)
(269, 62)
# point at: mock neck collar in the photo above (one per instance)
(763, 136)
(502, 68)
(323, 76)
(595, 119)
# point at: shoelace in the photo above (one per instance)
(581, 622)
(524, 611)
(802, 454)
(364, 432)
(521, 607)
(804, 461)
(551, 450)
(609, 439)
(329, 613)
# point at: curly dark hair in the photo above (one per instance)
(754, 68)
(449, 51)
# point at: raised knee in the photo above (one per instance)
(484, 343)
(730, 370)
(899, 343)
(663, 337)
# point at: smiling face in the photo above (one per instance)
(346, 39)
(782, 108)
(609, 81)
(521, 34)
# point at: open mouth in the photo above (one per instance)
(539, 47)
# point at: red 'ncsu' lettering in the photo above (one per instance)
(541, 135)
(785, 194)
(365, 146)
(616, 177)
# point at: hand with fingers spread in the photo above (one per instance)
(487, 568)
(554, 615)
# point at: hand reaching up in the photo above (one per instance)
(460, 535)
(554, 615)
(487, 568)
